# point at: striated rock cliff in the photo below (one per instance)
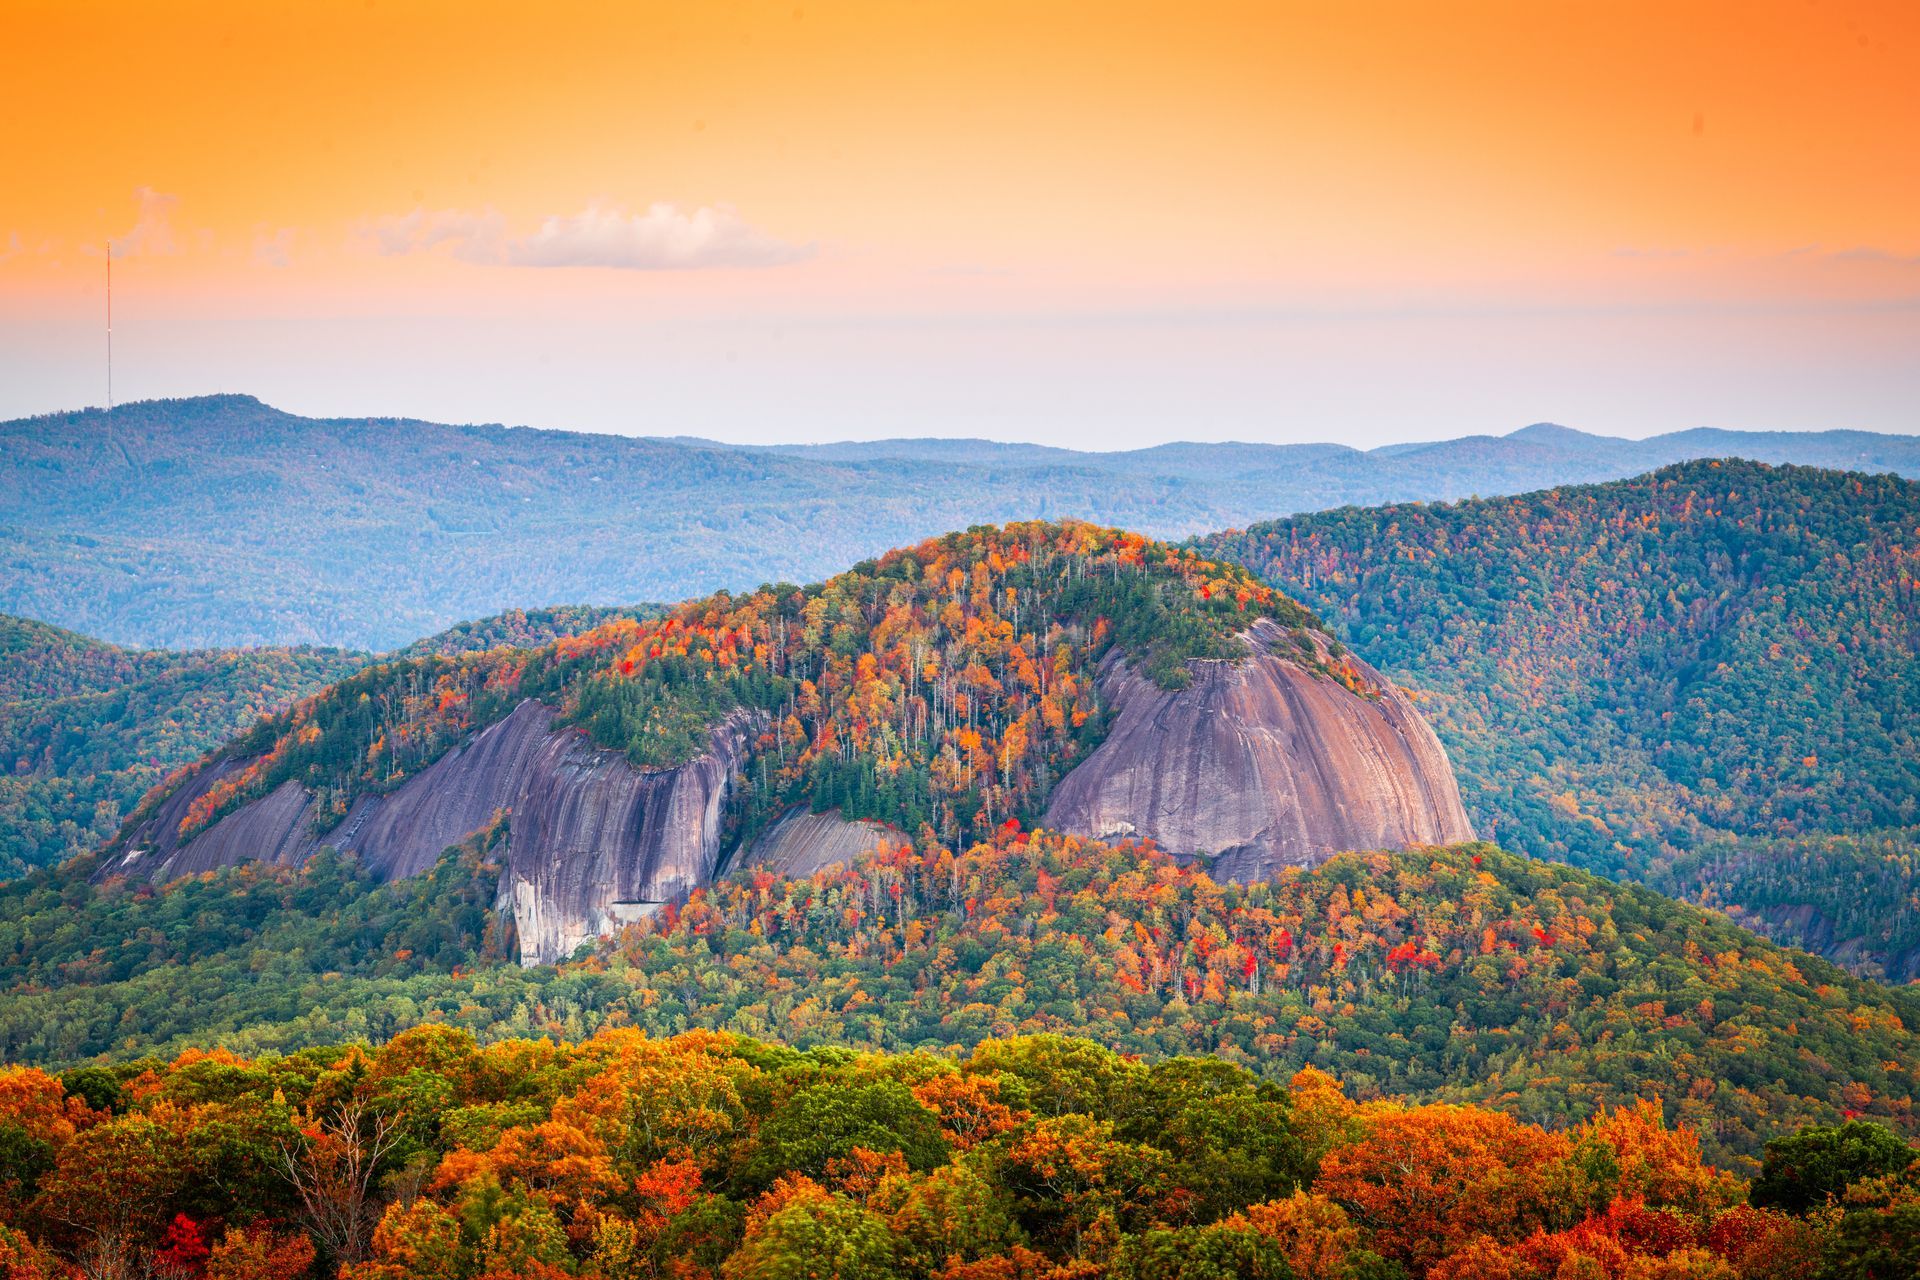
(801, 842)
(274, 829)
(593, 842)
(1261, 764)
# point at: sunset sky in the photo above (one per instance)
(1095, 225)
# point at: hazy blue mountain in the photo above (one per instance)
(1531, 454)
(221, 521)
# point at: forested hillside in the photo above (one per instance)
(712, 1156)
(87, 728)
(222, 521)
(1700, 667)
(1851, 898)
(1462, 975)
(1536, 1066)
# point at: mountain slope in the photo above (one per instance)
(943, 688)
(1623, 673)
(219, 520)
(87, 728)
(1465, 974)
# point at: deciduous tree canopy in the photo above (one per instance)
(710, 1156)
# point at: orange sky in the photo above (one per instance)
(1265, 203)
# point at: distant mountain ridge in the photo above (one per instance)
(1539, 443)
(220, 520)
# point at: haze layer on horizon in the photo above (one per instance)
(1098, 226)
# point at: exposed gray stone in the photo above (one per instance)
(274, 828)
(596, 844)
(801, 842)
(1261, 764)
(592, 840)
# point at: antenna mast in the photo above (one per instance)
(109, 323)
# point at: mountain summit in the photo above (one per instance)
(950, 687)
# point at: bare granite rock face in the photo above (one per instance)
(596, 844)
(1261, 764)
(801, 842)
(274, 828)
(592, 841)
(404, 832)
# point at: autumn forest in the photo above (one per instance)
(959, 640)
(1653, 1026)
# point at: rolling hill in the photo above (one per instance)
(1556, 639)
(86, 728)
(1465, 975)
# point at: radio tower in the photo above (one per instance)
(109, 324)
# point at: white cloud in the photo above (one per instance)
(475, 237)
(152, 231)
(14, 248)
(273, 249)
(661, 239)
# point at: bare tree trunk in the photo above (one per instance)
(108, 1257)
(332, 1172)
